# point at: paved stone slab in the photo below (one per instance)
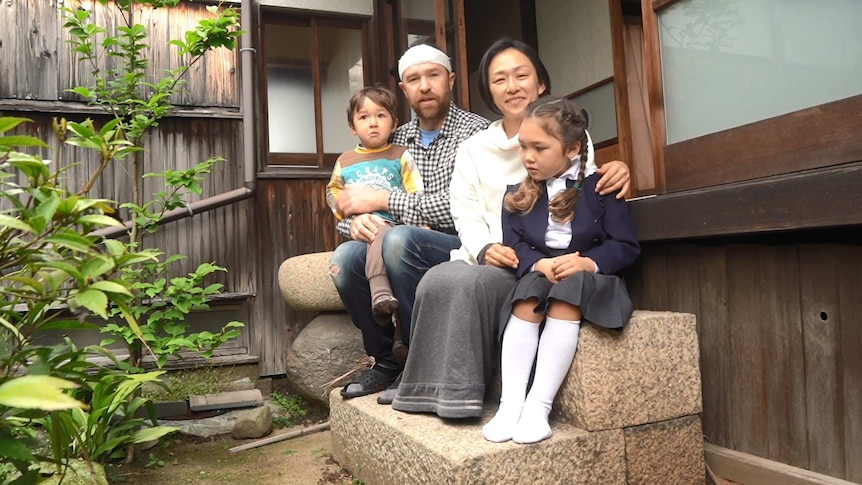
(226, 400)
(305, 283)
(670, 452)
(646, 374)
(382, 446)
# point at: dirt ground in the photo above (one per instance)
(300, 461)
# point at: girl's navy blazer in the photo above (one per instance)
(602, 230)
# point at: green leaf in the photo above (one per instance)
(15, 223)
(7, 123)
(96, 267)
(22, 141)
(71, 240)
(38, 392)
(111, 287)
(14, 449)
(100, 220)
(150, 434)
(93, 300)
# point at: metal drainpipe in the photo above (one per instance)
(250, 167)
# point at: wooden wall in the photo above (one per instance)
(780, 327)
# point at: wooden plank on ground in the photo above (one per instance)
(747, 396)
(821, 324)
(784, 368)
(714, 338)
(849, 286)
(753, 470)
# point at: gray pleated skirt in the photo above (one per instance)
(454, 349)
(603, 299)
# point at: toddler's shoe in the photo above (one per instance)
(383, 307)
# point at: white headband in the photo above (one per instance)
(421, 54)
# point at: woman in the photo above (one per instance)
(454, 346)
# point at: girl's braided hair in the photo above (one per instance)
(563, 120)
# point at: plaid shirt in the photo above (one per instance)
(435, 163)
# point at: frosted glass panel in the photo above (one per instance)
(290, 90)
(726, 63)
(341, 76)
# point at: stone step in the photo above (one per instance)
(226, 400)
(381, 446)
(627, 413)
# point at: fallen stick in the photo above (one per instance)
(281, 437)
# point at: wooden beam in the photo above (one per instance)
(463, 76)
(318, 90)
(828, 197)
(621, 92)
(655, 91)
(754, 470)
(440, 24)
(658, 5)
(814, 137)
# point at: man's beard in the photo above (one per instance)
(432, 111)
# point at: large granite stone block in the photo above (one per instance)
(382, 446)
(647, 373)
(326, 348)
(305, 283)
(669, 452)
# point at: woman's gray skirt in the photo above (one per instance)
(603, 299)
(454, 349)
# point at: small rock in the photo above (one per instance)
(253, 423)
(243, 384)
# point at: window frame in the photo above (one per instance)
(320, 163)
(823, 136)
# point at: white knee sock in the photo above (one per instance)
(556, 351)
(520, 340)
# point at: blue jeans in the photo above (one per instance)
(408, 252)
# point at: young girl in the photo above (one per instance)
(570, 242)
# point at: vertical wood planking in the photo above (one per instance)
(683, 294)
(783, 359)
(747, 394)
(655, 282)
(824, 386)
(849, 286)
(715, 351)
(37, 50)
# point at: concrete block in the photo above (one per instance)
(305, 283)
(669, 452)
(382, 446)
(645, 374)
(226, 400)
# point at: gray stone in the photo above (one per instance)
(225, 400)
(669, 452)
(243, 384)
(252, 424)
(325, 349)
(646, 374)
(382, 446)
(305, 283)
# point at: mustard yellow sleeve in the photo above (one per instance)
(410, 175)
(333, 190)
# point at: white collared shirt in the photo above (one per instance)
(559, 235)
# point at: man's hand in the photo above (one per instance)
(361, 199)
(501, 256)
(615, 176)
(364, 227)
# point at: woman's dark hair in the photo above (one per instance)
(499, 46)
